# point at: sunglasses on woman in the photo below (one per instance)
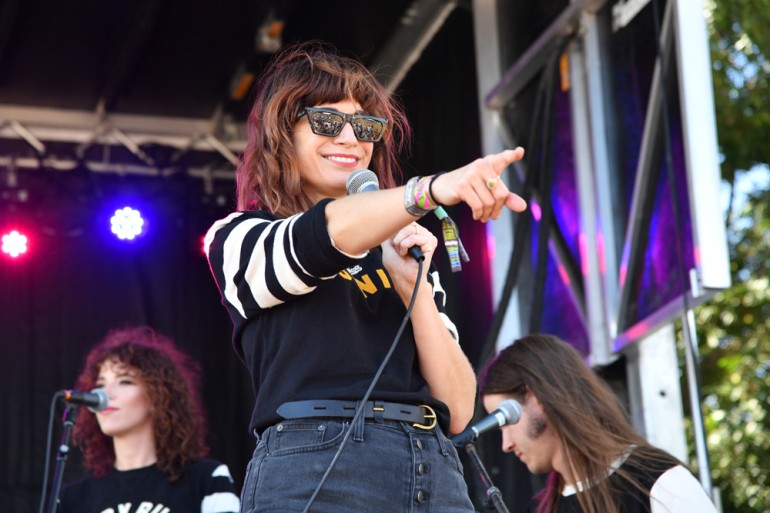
(330, 122)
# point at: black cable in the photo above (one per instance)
(521, 231)
(362, 404)
(49, 436)
(523, 223)
(546, 202)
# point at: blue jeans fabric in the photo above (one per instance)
(385, 467)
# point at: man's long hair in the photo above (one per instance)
(304, 75)
(584, 413)
(170, 380)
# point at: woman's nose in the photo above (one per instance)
(109, 388)
(347, 135)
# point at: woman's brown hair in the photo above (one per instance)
(583, 411)
(304, 75)
(170, 380)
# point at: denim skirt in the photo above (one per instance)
(384, 467)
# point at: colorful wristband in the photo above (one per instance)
(417, 198)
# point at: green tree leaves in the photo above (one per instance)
(734, 328)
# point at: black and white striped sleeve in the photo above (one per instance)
(260, 262)
(439, 296)
(220, 495)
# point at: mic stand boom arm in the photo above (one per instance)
(493, 493)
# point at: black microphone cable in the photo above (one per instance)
(360, 408)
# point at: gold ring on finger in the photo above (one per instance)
(491, 183)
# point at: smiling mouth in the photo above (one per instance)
(344, 160)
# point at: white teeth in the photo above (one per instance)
(346, 160)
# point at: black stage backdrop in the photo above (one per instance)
(76, 282)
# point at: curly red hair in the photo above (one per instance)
(170, 379)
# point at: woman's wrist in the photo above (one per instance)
(430, 188)
(418, 199)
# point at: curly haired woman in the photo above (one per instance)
(145, 451)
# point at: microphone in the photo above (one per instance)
(363, 180)
(508, 412)
(96, 399)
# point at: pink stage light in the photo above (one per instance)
(537, 212)
(14, 243)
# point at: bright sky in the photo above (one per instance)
(758, 178)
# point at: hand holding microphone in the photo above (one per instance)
(364, 180)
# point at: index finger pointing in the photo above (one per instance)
(499, 161)
(515, 202)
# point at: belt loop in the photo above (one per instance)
(378, 409)
(444, 442)
(358, 427)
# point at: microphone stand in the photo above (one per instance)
(68, 420)
(494, 496)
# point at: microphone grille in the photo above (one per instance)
(362, 180)
(511, 410)
(104, 399)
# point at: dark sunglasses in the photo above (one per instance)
(330, 122)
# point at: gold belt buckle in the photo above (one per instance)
(431, 415)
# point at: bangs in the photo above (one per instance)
(134, 355)
(333, 86)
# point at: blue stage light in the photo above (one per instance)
(127, 223)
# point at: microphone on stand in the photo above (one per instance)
(96, 400)
(363, 180)
(509, 412)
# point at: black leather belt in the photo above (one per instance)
(423, 417)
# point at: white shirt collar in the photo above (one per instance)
(580, 487)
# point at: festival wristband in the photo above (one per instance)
(417, 198)
(452, 242)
